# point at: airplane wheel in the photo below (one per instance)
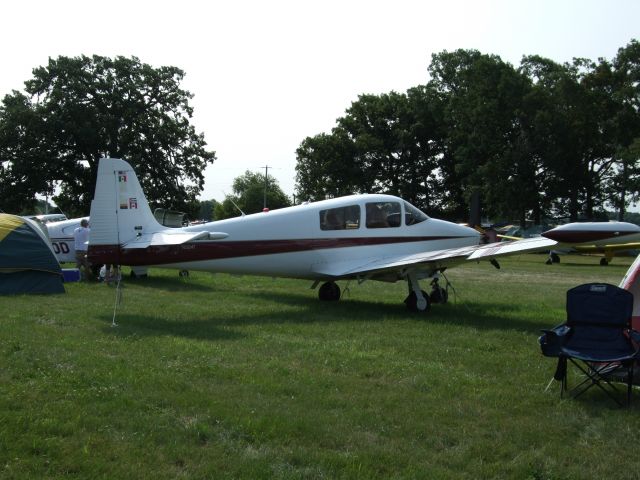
(412, 302)
(183, 273)
(329, 292)
(555, 258)
(439, 295)
(604, 262)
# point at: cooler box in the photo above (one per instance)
(71, 274)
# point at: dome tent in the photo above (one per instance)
(27, 261)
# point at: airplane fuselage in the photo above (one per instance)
(299, 241)
(598, 234)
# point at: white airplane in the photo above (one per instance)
(48, 217)
(61, 236)
(361, 237)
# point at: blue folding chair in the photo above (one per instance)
(597, 339)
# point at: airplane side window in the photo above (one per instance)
(341, 218)
(383, 215)
(412, 215)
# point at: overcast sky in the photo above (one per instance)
(267, 74)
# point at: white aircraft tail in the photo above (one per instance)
(119, 210)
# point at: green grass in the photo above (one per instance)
(246, 377)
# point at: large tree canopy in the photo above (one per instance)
(387, 143)
(76, 110)
(543, 139)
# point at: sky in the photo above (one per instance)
(267, 74)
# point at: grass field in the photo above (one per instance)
(217, 376)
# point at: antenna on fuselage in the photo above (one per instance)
(235, 204)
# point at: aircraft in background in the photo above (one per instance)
(358, 237)
(61, 236)
(46, 218)
(585, 238)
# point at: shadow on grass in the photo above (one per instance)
(147, 325)
(223, 326)
(503, 317)
(168, 284)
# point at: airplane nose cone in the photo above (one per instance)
(468, 232)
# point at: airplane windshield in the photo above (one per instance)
(412, 215)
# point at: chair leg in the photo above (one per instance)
(594, 376)
(561, 375)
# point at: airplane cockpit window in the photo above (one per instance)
(383, 215)
(341, 218)
(412, 215)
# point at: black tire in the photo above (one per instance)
(329, 292)
(439, 295)
(412, 302)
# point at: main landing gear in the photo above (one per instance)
(418, 300)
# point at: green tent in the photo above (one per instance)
(27, 261)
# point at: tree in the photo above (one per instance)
(568, 131)
(484, 150)
(327, 167)
(384, 144)
(543, 139)
(248, 195)
(621, 79)
(76, 110)
(395, 139)
(206, 210)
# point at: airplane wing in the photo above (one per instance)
(492, 250)
(172, 238)
(434, 260)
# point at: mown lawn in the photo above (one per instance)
(219, 376)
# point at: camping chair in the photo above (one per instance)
(597, 339)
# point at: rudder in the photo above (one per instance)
(119, 209)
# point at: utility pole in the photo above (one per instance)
(266, 176)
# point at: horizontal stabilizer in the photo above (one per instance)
(172, 238)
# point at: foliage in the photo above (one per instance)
(76, 110)
(207, 209)
(543, 139)
(482, 99)
(248, 195)
(386, 143)
(244, 378)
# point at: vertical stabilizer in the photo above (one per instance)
(119, 209)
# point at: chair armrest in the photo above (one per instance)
(551, 341)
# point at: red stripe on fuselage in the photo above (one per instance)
(216, 250)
